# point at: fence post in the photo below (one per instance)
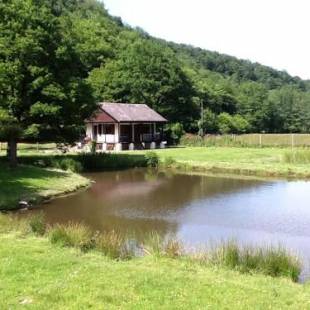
(292, 140)
(260, 140)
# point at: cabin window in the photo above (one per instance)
(109, 129)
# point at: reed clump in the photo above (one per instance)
(271, 261)
(114, 245)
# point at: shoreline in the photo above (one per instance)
(45, 185)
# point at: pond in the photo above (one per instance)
(196, 208)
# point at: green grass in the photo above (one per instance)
(245, 161)
(34, 274)
(34, 184)
(297, 157)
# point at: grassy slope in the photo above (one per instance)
(259, 161)
(30, 183)
(36, 274)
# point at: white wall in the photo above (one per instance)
(109, 138)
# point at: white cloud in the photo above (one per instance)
(272, 32)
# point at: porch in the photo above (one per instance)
(126, 136)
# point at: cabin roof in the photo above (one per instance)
(126, 112)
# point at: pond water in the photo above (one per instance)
(196, 208)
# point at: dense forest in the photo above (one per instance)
(59, 57)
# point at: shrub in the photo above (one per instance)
(72, 235)
(152, 159)
(174, 133)
(37, 224)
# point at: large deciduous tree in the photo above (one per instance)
(43, 93)
(146, 72)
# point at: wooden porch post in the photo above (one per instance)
(132, 132)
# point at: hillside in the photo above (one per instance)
(128, 65)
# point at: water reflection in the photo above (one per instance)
(140, 200)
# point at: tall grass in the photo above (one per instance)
(272, 261)
(72, 235)
(297, 157)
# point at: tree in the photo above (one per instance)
(147, 72)
(43, 93)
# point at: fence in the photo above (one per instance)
(282, 140)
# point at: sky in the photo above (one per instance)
(271, 32)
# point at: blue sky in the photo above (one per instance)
(272, 32)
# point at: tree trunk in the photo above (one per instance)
(12, 153)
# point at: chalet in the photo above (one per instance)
(123, 126)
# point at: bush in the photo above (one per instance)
(152, 159)
(232, 123)
(72, 235)
(37, 224)
(174, 133)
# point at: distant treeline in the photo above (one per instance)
(58, 58)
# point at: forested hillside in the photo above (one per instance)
(81, 55)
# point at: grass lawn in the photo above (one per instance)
(248, 161)
(35, 274)
(33, 184)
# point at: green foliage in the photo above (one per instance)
(174, 132)
(152, 159)
(232, 123)
(145, 71)
(58, 57)
(42, 80)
